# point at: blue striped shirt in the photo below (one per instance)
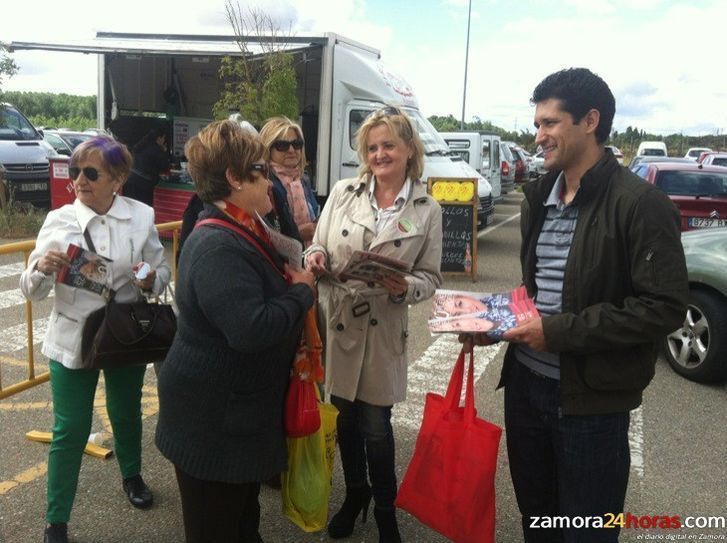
(551, 254)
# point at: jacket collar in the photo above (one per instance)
(593, 182)
(119, 210)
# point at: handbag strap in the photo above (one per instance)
(454, 389)
(260, 249)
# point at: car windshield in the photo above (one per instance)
(13, 126)
(434, 144)
(74, 139)
(678, 183)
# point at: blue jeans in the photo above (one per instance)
(567, 466)
(365, 437)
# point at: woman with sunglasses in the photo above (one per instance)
(385, 210)
(295, 204)
(241, 311)
(122, 230)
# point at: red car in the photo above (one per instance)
(700, 192)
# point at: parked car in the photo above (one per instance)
(521, 166)
(616, 153)
(25, 156)
(536, 164)
(698, 350)
(645, 159)
(698, 191)
(715, 159)
(507, 168)
(65, 141)
(695, 152)
(652, 148)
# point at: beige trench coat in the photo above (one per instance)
(366, 355)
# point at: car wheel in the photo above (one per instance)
(698, 350)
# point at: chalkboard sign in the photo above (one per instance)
(459, 202)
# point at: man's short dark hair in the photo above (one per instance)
(579, 90)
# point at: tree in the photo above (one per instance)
(259, 86)
(8, 68)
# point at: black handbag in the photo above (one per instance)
(126, 334)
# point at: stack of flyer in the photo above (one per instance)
(87, 270)
(469, 312)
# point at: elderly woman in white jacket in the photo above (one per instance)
(123, 231)
(386, 210)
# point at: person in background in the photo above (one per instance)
(123, 231)
(241, 311)
(594, 235)
(295, 204)
(386, 210)
(150, 159)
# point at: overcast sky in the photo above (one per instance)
(662, 59)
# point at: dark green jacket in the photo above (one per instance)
(624, 289)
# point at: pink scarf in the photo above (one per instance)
(290, 177)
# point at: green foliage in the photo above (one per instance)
(258, 89)
(20, 220)
(54, 106)
(449, 124)
(8, 68)
(72, 123)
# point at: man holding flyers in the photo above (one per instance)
(601, 255)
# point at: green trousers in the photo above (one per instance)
(73, 392)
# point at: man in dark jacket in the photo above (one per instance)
(601, 255)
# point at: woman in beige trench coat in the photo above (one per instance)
(388, 211)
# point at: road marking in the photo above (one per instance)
(490, 229)
(15, 338)
(431, 373)
(636, 441)
(8, 270)
(23, 477)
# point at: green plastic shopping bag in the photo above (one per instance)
(306, 486)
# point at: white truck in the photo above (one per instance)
(481, 152)
(340, 82)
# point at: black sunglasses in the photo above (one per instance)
(89, 173)
(259, 167)
(388, 111)
(283, 145)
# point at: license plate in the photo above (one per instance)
(706, 222)
(32, 187)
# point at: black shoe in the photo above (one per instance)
(357, 501)
(387, 525)
(56, 532)
(138, 493)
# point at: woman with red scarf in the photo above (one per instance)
(241, 311)
(295, 204)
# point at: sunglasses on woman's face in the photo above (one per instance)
(283, 145)
(92, 174)
(259, 167)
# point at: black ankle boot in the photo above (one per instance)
(138, 493)
(56, 532)
(357, 500)
(386, 523)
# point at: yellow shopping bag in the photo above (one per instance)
(306, 486)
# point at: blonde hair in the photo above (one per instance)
(401, 126)
(274, 130)
(221, 146)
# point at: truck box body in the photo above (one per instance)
(340, 82)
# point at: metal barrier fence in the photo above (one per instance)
(26, 247)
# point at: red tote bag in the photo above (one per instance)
(450, 482)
